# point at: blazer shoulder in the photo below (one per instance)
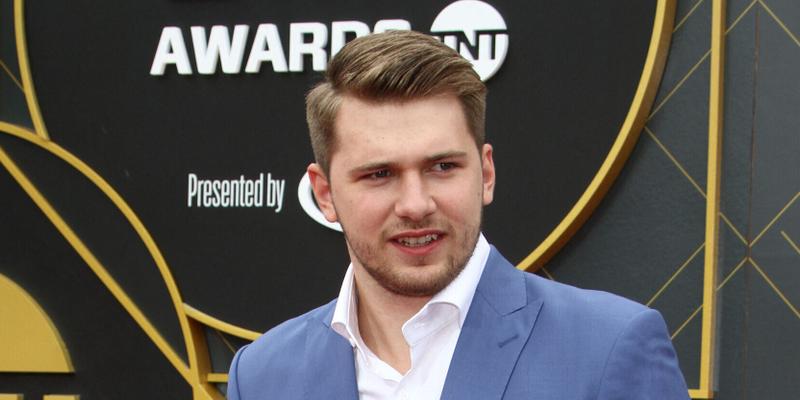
(590, 318)
(273, 356)
(577, 301)
(589, 343)
(623, 345)
(292, 332)
(508, 287)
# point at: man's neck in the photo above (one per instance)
(381, 315)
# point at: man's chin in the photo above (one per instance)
(422, 280)
(414, 289)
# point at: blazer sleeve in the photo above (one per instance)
(642, 364)
(233, 377)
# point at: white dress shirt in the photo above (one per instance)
(431, 334)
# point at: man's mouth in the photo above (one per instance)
(418, 241)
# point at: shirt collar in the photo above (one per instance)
(458, 293)
(345, 317)
(461, 290)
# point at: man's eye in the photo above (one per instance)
(443, 166)
(384, 173)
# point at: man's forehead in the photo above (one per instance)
(418, 118)
(383, 113)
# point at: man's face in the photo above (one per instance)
(407, 184)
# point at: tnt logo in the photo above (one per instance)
(477, 31)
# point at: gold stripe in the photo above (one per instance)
(733, 228)
(93, 263)
(675, 161)
(696, 65)
(225, 341)
(730, 275)
(686, 17)
(721, 285)
(701, 394)
(675, 275)
(683, 325)
(25, 71)
(217, 378)
(775, 288)
(623, 145)
(678, 85)
(715, 120)
(775, 219)
(11, 75)
(791, 243)
(548, 274)
(778, 20)
(744, 12)
(694, 183)
(218, 324)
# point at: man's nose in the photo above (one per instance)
(414, 199)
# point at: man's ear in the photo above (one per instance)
(487, 170)
(322, 191)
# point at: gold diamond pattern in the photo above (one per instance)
(748, 261)
(694, 183)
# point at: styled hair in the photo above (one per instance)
(392, 66)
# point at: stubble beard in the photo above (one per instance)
(416, 283)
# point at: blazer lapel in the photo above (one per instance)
(329, 365)
(496, 329)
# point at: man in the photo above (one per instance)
(428, 309)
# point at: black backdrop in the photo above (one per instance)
(555, 106)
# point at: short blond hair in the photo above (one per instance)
(391, 66)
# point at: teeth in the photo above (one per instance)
(418, 241)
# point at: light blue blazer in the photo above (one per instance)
(525, 337)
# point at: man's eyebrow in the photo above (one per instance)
(386, 164)
(447, 154)
(370, 167)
